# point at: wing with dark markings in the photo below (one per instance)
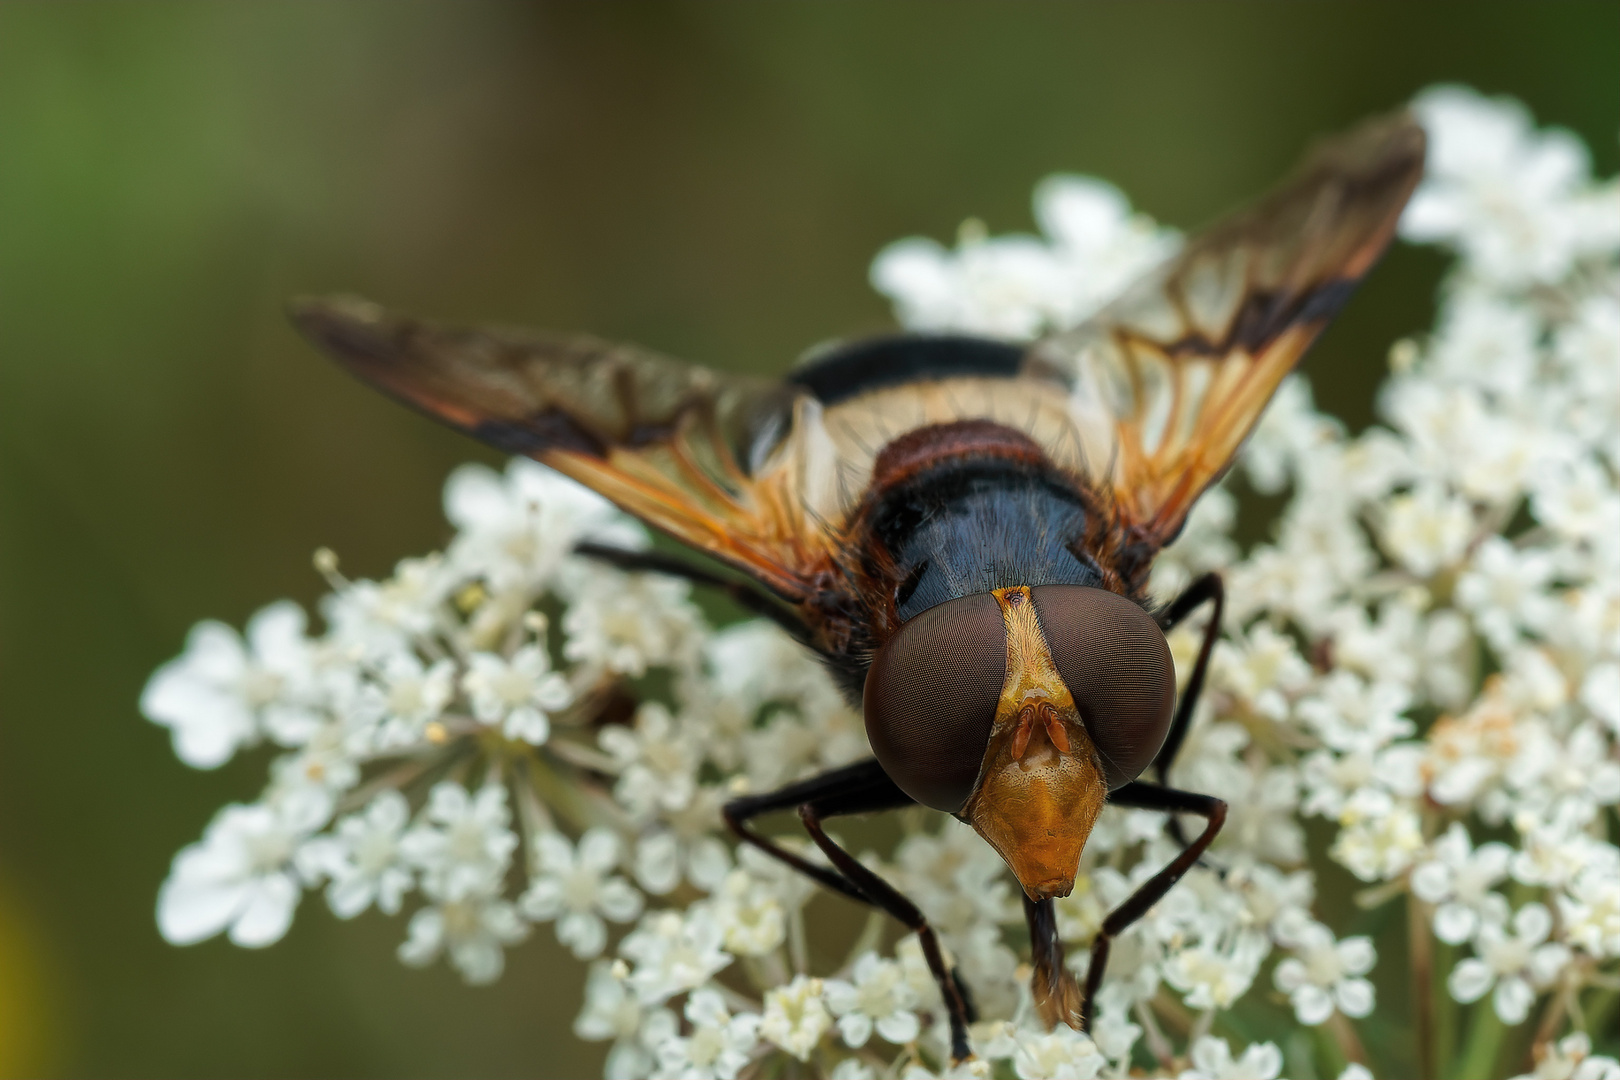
(1167, 381)
(696, 453)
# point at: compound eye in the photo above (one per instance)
(1115, 661)
(931, 697)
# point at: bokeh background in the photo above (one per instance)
(708, 179)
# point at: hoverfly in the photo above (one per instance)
(962, 528)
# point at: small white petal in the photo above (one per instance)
(1455, 923)
(189, 912)
(1470, 979)
(1354, 997)
(1513, 999)
(599, 850)
(855, 1028)
(268, 913)
(899, 1027)
(1312, 1005)
(583, 932)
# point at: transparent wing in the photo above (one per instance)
(1167, 381)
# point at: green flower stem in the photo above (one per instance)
(1344, 1034)
(1484, 1046)
(1329, 1052)
(1421, 945)
(1443, 1007)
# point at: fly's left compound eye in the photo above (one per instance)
(1116, 663)
(931, 697)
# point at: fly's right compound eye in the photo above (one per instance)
(1114, 660)
(931, 697)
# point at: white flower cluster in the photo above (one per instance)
(1425, 658)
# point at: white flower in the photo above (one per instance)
(221, 694)
(626, 623)
(1059, 1054)
(1111, 1028)
(1577, 771)
(751, 912)
(1103, 245)
(662, 858)
(1001, 287)
(954, 877)
(327, 760)
(1577, 501)
(1588, 347)
(1487, 341)
(1554, 848)
(1379, 837)
(379, 618)
(756, 662)
(577, 889)
(1426, 530)
(673, 954)
(1600, 693)
(1262, 667)
(1572, 1059)
(1516, 963)
(1015, 286)
(1212, 1060)
(1272, 900)
(363, 859)
(657, 761)
(1591, 911)
(1468, 753)
(462, 843)
(877, 997)
(240, 875)
(1501, 192)
(473, 928)
(717, 1048)
(1324, 974)
(517, 693)
(1213, 974)
(1331, 779)
(613, 1011)
(1503, 589)
(1261, 821)
(407, 695)
(1459, 879)
(1350, 713)
(796, 1016)
(518, 529)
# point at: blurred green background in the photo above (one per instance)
(709, 179)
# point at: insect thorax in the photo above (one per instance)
(970, 522)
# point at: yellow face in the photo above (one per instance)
(1041, 786)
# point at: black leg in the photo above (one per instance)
(1149, 797)
(748, 597)
(1210, 588)
(855, 789)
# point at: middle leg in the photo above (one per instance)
(1149, 797)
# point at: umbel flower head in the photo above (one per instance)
(1419, 671)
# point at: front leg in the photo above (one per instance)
(1149, 797)
(855, 789)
